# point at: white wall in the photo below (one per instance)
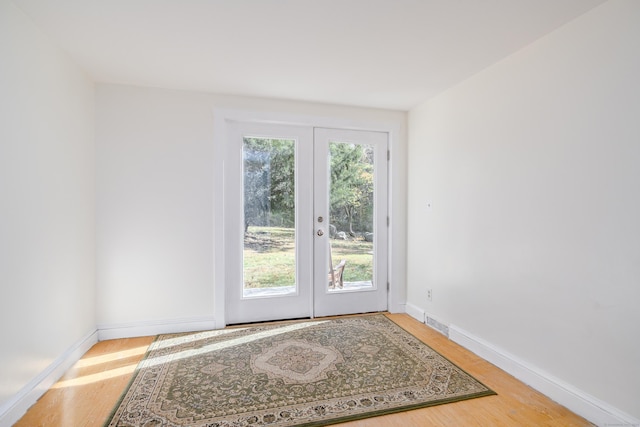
(532, 168)
(154, 206)
(47, 203)
(157, 197)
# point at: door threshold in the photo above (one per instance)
(303, 319)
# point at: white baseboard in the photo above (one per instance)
(15, 407)
(415, 312)
(142, 329)
(581, 403)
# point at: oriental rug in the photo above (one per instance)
(306, 373)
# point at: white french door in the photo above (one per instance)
(268, 234)
(305, 223)
(350, 186)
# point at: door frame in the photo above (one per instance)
(222, 118)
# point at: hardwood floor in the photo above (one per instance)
(87, 393)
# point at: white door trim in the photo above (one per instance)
(221, 119)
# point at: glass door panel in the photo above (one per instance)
(269, 261)
(351, 226)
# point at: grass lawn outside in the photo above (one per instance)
(269, 257)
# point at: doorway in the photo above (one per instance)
(306, 234)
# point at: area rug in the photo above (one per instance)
(307, 373)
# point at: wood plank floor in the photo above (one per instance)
(87, 393)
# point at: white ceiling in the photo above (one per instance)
(376, 53)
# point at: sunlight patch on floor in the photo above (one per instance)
(105, 358)
(154, 361)
(93, 378)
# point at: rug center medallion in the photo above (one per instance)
(296, 361)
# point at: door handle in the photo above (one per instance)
(320, 233)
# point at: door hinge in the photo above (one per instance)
(388, 155)
(388, 221)
(388, 286)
